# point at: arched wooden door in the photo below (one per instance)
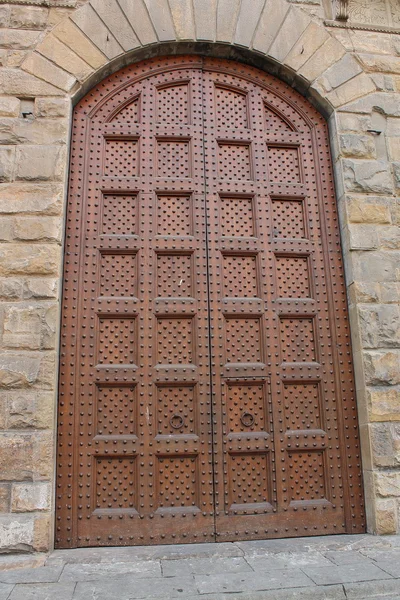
(206, 383)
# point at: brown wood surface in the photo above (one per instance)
(206, 382)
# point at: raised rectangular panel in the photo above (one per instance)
(240, 276)
(237, 217)
(117, 341)
(174, 158)
(175, 276)
(116, 410)
(174, 215)
(119, 214)
(284, 164)
(246, 406)
(118, 275)
(243, 340)
(234, 161)
(177, 482)
(292, 273)
(175, 340)
(173, 104)
(231, 108)
(176, 409)
(116, 483)
(302, 406)
(249, 481)
(306, 476)
(288, 218)
(121, 158)
(297, 340)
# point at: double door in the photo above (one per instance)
(206, 387)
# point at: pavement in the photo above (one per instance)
(352, 567)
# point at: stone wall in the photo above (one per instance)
(47, 53)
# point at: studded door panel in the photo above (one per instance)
(205, 372)
(136, 295)
(283, 395)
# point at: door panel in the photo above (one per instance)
(205, 368)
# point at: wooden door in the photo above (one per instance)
(206, 384)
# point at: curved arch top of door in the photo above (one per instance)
(206, 382)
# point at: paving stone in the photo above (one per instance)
(93, 572)
(345, 574)
(40, 575)
(305, 544)
(44, 591)
(374, 589)
(347, 557)
(246, 582)
(285, 560)
(332, 592)
(5, 591)
(129, 587)
(204, 566)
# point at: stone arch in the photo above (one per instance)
(104, 35)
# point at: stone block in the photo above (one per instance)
(384, 403)
(93, 27)
(205, 16)
(382, 444)
(64, 57)
(364, 291)
(376, 266)
(31, 198)
(380, 326)
(388, 483)
(138, 16)
(393, 144)
(47, 375)
(29, 327)
(40, 163)
(16, 533)
(40, 288)
(110, 12)
(10, 288)
(5, 495)
(15, 58)
(42, 532)
(291, 30)
(18, 39)
(271, 20)
(28, 17)
(344, 69)
(68, 33)
(7, 159)
(385, 102)
(227, 14)
(38, 228)
(248, 18)
(5, 15)
(29, 259)
(378, 63)
(385, 517)
(6, 230)
(52, 107)
(15, 82)
(389, 293)
(312, 39)
(367, 176)
(326, 56)
(9, 106)
(28, 497)
(361, 85)
(57, 14)
(18, 370)
(368, 209)
(37, 65)
(182, 15)
(16, 457)
(382, 367)
(362, 237)
(368, 41)
(33, 131)
(389, 238)
(357, 146)
(28, 409)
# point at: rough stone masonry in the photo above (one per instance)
(53, 50)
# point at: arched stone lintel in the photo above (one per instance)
(102, 37)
